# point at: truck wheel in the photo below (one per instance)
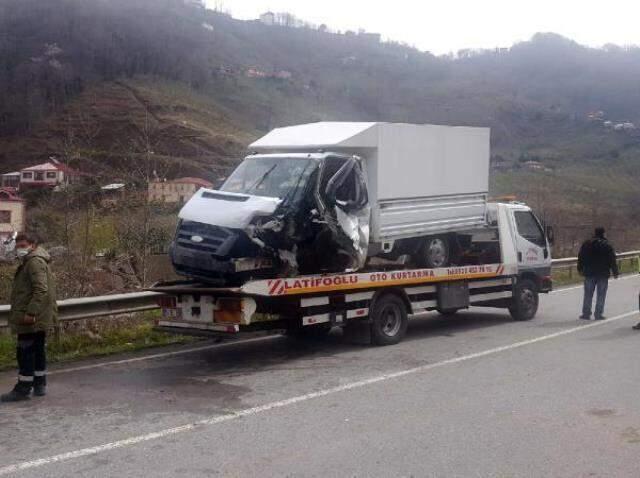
(389, 320)
(434, 253)
(525, 300)
(309, 332)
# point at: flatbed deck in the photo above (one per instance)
(329, 283)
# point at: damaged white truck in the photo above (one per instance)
(326, 197)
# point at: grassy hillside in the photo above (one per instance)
(109, 122)
(100, 82)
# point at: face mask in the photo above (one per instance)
(21, 253)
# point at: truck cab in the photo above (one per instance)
(524, 241)
(277, 214)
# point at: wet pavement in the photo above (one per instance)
(472, 395)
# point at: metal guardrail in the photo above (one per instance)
(121, 304)
(572, 261)
(102, 306)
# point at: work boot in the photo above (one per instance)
(636, 327)
(19, 393)
(39, 386)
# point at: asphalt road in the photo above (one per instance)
(471, 396)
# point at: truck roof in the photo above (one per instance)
(318, 136)
(332, 134)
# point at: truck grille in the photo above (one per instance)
(215, 240)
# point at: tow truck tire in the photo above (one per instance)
(389, 320)
(435, 252)
(525, 300)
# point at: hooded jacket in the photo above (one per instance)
(597, 258)
(33, 293)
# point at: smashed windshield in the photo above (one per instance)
(269, 177)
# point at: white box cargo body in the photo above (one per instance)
(422, 179)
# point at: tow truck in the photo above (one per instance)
(505, 265)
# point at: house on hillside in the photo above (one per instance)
(534, 166)
(12, 213)
(598, 116)
(176, 191)
(195, 3)
(10, 180)
(283, 75)
(256, 73)
(112, 194)
(268, 18)
(499, 163)
(369, 37)
(51, 174)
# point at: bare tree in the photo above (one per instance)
(143, 226)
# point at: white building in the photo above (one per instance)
(48, 175)
(10, 180)
(12, 214)
(195, 3)
(268, 18)
(176, 191)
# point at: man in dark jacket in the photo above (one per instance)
(33, 312)
(596, 262)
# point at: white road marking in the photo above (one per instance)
(162, 355)
(292, 401)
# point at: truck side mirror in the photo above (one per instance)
(550, 235)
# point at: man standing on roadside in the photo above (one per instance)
(596, 262)
(33, 312)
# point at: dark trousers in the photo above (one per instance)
(599, 285)
(32, 360)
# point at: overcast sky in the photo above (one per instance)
(448, 25)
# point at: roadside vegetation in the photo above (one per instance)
(96, 338)
(570, 275)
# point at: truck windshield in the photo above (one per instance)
(269, 177)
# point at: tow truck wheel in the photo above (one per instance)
(389, 320)
(434, 252)
(525, 300)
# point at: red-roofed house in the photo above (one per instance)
(12, 213)
(50, 174)
(176, 191)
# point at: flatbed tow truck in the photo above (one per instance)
(377, 302)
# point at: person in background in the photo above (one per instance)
(596, 262)
(33, 312)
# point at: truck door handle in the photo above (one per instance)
(519, 256)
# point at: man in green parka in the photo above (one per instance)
(33, 312)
